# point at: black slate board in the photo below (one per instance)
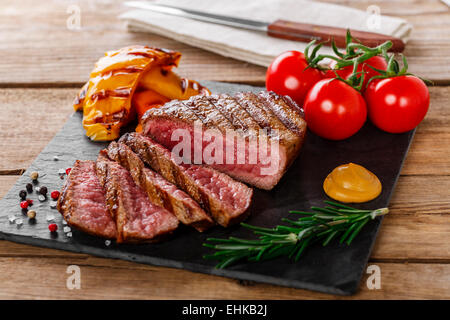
(333, 269)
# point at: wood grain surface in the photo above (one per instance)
(37, 42)
(44, 63)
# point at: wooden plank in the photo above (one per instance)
(50, 54)
(30, 119)
(111, 279)
(416, 229)
(33, 116)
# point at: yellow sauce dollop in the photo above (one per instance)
(352, 183)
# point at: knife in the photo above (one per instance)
(279, 29)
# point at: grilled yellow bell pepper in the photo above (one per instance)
(107, 98)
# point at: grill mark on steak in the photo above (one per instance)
(159, 190)
(224, 198)
(232, 111)
(137, 219)
(210, 115)
(286, 110)
(268, 120)
(82, 202)
(173, 109)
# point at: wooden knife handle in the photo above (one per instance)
(306, 32)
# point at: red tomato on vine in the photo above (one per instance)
(287, 75)
(334, 110)
(397, 104)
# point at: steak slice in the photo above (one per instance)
(159, 190)
(82, 202)
(137, 219)
(255, 137)
(225, 199)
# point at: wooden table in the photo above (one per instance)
(42, 65)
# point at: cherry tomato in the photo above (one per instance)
(376, 62)
(397, 104)
(286, 75)
(334, 110)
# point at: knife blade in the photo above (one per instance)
(279, 29)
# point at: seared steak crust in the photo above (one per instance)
(159, 190)
(82, 202)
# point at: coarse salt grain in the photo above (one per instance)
(107, 243)
(53, 204)
(19, 222)
(37, 189)
(12, 219)
(55, 158)
(64, 222)
(62, 172)
(69, 234)
(50, 217)
(41, 198)
(67, 229)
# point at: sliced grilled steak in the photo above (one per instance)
(159, 190)
(137, 219)
(82, 202)
(224, 198)
(249, 154)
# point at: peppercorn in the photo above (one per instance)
(55, 194)
(22, 194)
(68, 170)
(43, 191)
(52, 227)
(30, 202)
(31, 214)
(29, 187)
(24, 204)
(34, 175)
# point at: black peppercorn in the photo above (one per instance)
(22, 194)
(43, 191)
(29, 187)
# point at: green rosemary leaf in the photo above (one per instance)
(233, 247)
(347, 232)
(325, 210)
(305, 243)
(354, 211)
(356, 231)
(230, 260)
(339, 205)
(331, 236)
(359, 218)
(248, 226)
(244, 241)
(302, 212)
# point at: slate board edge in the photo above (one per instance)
(161, 262)
(158, 261)
(380, 219)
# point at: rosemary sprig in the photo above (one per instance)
(321, 224)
